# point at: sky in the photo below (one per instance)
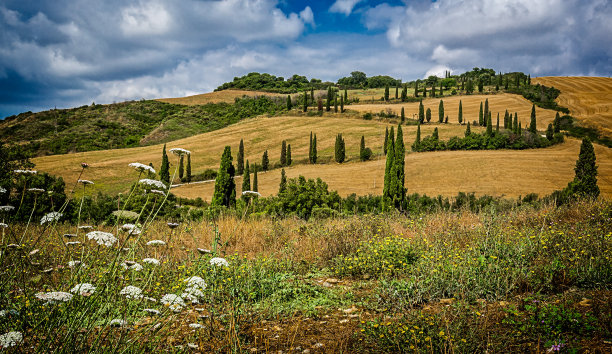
(68, 53)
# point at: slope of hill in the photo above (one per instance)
(588, 98)
(225, 96)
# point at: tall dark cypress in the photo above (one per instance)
(421, 112)
(283, 182)
(345, 96)
(246, 180)
(417, 142)
(328, 100)
(387, 93)
(255, 187)
(468, 131)
(460, 116)
(265, 162)
(585, 181)
(486, 108)
(532, 126)
(396, 92)
(557, 123)
(314, 149)
(481, 116)
(240, 159)
(283, 154)
(515, 124)
(164, 170)
(188, 169)
(310, 149)
(441, 112)
(305, 101)
(497, 126)
(416, 88)
(489, 125)
(386, 140)
(288, 158)
(341, 104)
(339, 149)
(181, 170)
(399, 192)
(362, 145)
(388, 180)
(403, 116)
(289, 104)
(225, 186)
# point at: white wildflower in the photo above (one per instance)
(73, 264)
(25, 172)
(156, 243)
(6, 208)
(2, 190)
(85, 227)
(180, 152)
(117, 323)
(36, 190)
(192, 345)
(152, 261)
(50, 217)
(153, 183)
(135, 266)
(131, 229)
(140, 167)
(131, 292)
(195, 289)
(204, 251)
(10, 339)
(3, 225)
(149, 298)
(173, 301)
(196, 281)
(195, 325)
(54, 296)
(156, 191)
(73, 243)
(152, 311)
(218, 261)
(173, 225)
(251, 193)
(102, 238)
(85, 181)
(83, 289)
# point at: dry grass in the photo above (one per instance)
(227, 96)
(110, 171)
(471, 105)
(507, 173)
(588, 99)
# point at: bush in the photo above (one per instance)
(365, 154)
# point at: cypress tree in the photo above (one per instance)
(225, 186)
(188, 170)
(428, 115)
(403, 116)
(435, 134)
(305, 102)
(550, 132)
(386, 140)
(468, 131)
(532, 125)
(529, 79)
(433, 90)
(396, 92)
(585, 181)
(421, 112)
(518, 82)
(486, 108)
(240, 159)
(460, 117)
(387, 93)
(506, 84)
(497, 126)
(425, 92)
(506, 125)
(181, 170)
(335, 103)
(265, 162)
(310, 149)
(388, 180)
(362, 145)
(283, 154)
(328, 100)
(489, 126)
(417, 142)
(164, 170)
(314, 149)
(416, 88)
(339, 149)
(255, 187)
(480, 116)
(289, 104)
(520, 129)
(345, 96)
(283, 182)
(341, 104)
(441, 112)
(246, 180)
(557, 123)
(515, 124)
(480, 86)
(404, 93)
(288, 155)
(441, 89)
(399, 193)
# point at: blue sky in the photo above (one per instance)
(66, 53)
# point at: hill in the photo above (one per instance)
(225, 96)
(589, 99)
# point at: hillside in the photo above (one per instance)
(588, 98)
(225, 96)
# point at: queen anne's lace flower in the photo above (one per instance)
(252, 193)
(140, 167)
(117, 323)
(2, 190)
(102, 238)
(10, 339)
(131, 229)
(54, 296)
(218, 261)
(73, 264)
(152, 261)
(85, 181)
(25, 172)
(173, 301)
(135, 267)
(131, 292)
(194, 290)
(6, 208)
(73, 243)
(156, 191)
(180, 152)
(50, 217)
(152, 311)
(83, 289)
(153, 183)
(36, 190)
(156, 243)
(3, 225)
(195, 325)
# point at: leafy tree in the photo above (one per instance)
(441, 112)
(283, 182)
(225, 186)
(289, 104)
(303, 197)
(460, 117)
(428, 115)
(421, 112)
(265, 162)
(532, 126)
(480, 86)
(312, 94)
(188, 170)
(181, 170)
(387, 93)
(585, 181)
(468, 131)
(469, 86)
(480, 116)
(246, 180)
(283, 154)
(403, 115)
(164, 170)
(240, 159)
(288, 158)
(340, 149)
(255, 187)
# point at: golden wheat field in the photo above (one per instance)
(498, 103)
(588, 98)
(227, 96)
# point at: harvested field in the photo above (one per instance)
(498, 103)
(589, 99)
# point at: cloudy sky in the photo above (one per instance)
(65, 53)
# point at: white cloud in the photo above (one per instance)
(147, 19)
(307, 16)
(344, 6)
